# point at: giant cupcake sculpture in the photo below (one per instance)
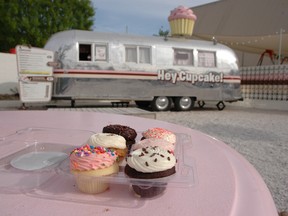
(182, 21)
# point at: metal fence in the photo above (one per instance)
(265, 82)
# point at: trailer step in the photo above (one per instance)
(134, 111)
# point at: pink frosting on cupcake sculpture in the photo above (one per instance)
(182, 12)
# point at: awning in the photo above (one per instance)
(245, 25)
(278, 43)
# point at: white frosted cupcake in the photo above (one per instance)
(150, 163)
(111, 141)
(161, 143)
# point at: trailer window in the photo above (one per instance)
(100, 52)
(138, 54)
(183, 57)
(85, 52)
(206, 59)
(131, 54)
(144, 55)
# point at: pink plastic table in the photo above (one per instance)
(226, 183)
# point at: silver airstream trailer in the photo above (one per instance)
(151, 70)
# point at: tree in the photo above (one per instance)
(34, 21)
(162, 32)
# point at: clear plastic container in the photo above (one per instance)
(35, 161)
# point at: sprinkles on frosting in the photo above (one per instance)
(160, 133)
(87, 150)
(156, 132)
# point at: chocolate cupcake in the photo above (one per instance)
(150, 163)
(127, 132)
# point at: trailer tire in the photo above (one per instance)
(161, 103)
(220, 105)
(184, 103)
(143, 104)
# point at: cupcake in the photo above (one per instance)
(127, 132)
(150, 163)
(162, 143)
(88, 163)
(182, 21)
(159, 133)
(111, 141)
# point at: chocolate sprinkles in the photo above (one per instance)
(152, 156)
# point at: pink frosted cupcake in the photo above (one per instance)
(182, 21)
(160, 133)
(88, 163)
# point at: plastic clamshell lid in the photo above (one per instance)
(49, 148)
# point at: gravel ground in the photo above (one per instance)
(261, 136)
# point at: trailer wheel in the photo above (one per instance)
(220, 105)
(184, 103)
(201, 104)
(161, 103)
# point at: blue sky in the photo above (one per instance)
(143, 17)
